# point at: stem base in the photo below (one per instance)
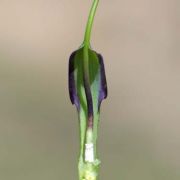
(89, 171)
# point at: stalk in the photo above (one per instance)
(90, 21)
(88, 164)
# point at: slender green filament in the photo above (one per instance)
(92, 13)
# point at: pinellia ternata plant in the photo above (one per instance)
(87, 89)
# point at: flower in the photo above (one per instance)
(86, 98)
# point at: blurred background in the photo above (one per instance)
(139, 135)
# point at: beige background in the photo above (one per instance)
(140, 120)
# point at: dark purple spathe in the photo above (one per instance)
(103, 83)
(72, 85)
(102, 90)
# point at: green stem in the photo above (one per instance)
(88, 169)
(86, 47)
(92, 13)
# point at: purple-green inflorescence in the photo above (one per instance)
(87, 89)
(77, 82)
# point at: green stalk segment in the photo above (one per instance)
(88, 164)
(90, 21)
